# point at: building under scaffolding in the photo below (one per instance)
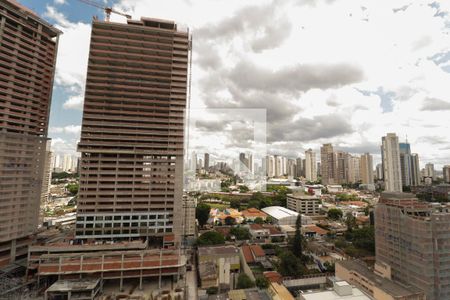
(107, 261)
(412, 240)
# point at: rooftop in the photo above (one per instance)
(74, 285)
(257, 250)
(332, 295)
(253, 212)
(218, 250)
(279, 212)
(391, 287)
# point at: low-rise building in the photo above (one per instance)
(279, 292)
(223, 260)
(342, 290)
(313, 231)
(252, 213)
(377, 286)
(281, 215)
(305, 204)
(258, 232)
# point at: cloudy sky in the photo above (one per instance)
(326, 71)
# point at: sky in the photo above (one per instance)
(344, 72)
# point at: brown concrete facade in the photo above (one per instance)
(133, 130)
(28, 47)
(412, 238)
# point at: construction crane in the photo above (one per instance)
(108, 10)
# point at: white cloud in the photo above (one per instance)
(393, 47)
(73, 51)
(60, 1)
(69, 129)
(74, 102)
(64, 146)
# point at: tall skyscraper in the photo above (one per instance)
(270, 165)
(206, 161)
(446, 173)
(411, 240)
(310, 165)
(429, 171)
(341, 167)
(415, 170)
(28, 47)
(379, 171)
(327, 162)
(405, 163)
(390, 154)
(366, 167)
(352, 169)
(300, 167)
(131, 178)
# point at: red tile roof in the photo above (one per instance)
(253, 212)
(247, 254)
(257, 251)
(273, 276)
(316, 229)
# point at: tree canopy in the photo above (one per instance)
(297, 240)
(211, 238)
(244, 282)
(202, 213)
(334, 214)
(262, 282)
(241, 233)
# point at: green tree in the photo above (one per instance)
(329, 267)
(334, 214)
(73, 188)
(364, 238)
(259, 220)
(243, 189)
(297, 240)
(211, 238)
(290, 265)
(244, 282)
(262, 282)
(202, 213)
(241, 233)
(350, 221)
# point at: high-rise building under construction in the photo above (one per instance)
(28, 47)
(411, 240)
(132, 135)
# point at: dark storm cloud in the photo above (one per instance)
(304, 130)
(273, 29)
(294, 79)
(433, 104)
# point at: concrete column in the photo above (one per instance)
(142, 264)
(13, 251)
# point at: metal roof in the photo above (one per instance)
(279, 212)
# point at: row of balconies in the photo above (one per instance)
(10, 68)
(29, 55)
(139, 45)
(118, 120)
(25, 43)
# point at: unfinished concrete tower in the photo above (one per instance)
(133, 131)
(412, 239)
(28, 48)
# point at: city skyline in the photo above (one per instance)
(406, 95)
